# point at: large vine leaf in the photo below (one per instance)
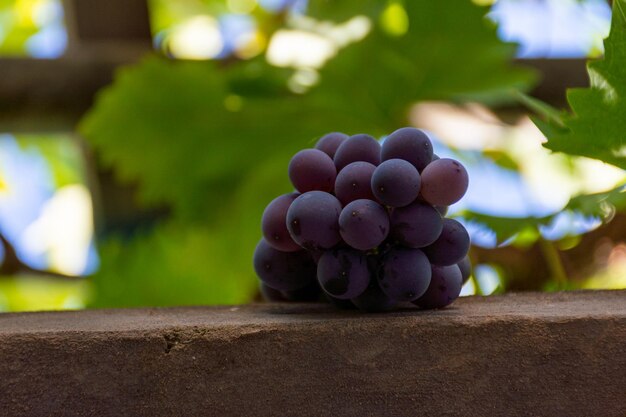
(448, 52)
(596, 126)
(188, 132)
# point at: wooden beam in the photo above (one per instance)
(44, 95)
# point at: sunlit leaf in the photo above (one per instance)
(596, 125)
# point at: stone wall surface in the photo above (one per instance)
(561, 354)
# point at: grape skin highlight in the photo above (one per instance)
(283, 271)
(451, 246)
(404, 274)
(274, 223)
(409, 144)
(354, 182)
(311, 169)
(444, 182)
(313, 220)
(364, 224)
(416, 225)
(356, 148)
(343, 273)
(330, 142)
(465, 265)
(445, 287)
(396, 183)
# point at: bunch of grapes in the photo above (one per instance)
(366, 226)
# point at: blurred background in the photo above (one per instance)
(140, 141)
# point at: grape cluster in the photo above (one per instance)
(365, 227)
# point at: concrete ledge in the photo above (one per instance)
(515, 355)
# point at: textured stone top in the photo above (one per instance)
(466, 310)
(561, 354)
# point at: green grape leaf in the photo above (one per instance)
(183, 264)
(447, 53)
(596, 125)
(339, 10)
(188, 132)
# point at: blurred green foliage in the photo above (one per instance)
(16, 26)
(212, 139)
(20, 20)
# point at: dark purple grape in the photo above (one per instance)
(311, 169)
(444, 182)
(451, 246)
(364, 224)
(313, 220)
(416, 225)
(343, 273)
(404, 274)
(309, 293)
(410, 144)
(445, 287)
(374, 300)
(359, 147)
(396, 183)
(330, 142)
(270, 294)
(354, 182)
(274, 223)
(443, 210)
(435, 157)
(284, 271)
(466, 268)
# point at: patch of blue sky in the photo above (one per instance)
(501, 192)
(48, 43)
(30, 185)
(233, 28)
(298, 6)
(553, 28)
(569, 223)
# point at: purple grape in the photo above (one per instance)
(444, 182)
(274, 224)
(270, 294)
(416, 225)
(396, 183)
(343, 273)
(409, 144)
(330, 142)
(311, 169)
(354, 182)
(313, 220)
(465, 265)
(364, 224)
(404, 274)
(373, 299)
(451, 246)
(435, 157)
(359, 147)
(445, 287)
(443, 210)
(283, 271)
